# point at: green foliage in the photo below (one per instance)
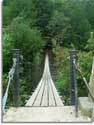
(24, 92)
(85, 62)
(44, 12)
(89, 5)
(6, 15)
(63, 70)
(7, 51)
(25, 38)
(58, 19)
(59, 26)
(16, 7)
(90, 45)
(79, 22)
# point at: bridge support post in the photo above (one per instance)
(16, 78)
(73, 84)
(73, 57)
(71, 80)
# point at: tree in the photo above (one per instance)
(6, 15)
(75, 10)
(90, 45)
(59, 27)
(27, 39)
(7, 51)
(89, 8)
(44, 12)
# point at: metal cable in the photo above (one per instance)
(78, 68)
(10, 78)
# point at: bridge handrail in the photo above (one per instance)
(78, 68)
(10, 78)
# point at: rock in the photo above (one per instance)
(86, 106)
(93, 115)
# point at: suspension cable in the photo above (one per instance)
(10, 78)
(78, 68)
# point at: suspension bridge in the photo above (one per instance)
(45, 104)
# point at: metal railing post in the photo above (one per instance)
(72, 94)
(16, 78)
(74, 91)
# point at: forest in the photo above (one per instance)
(31, 26)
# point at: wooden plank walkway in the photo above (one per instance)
(45, 93)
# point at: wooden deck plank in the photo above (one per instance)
(46, 93)
(51, 96)
(56, 95)
(32, 98)
(39, 96)
(45, 96)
